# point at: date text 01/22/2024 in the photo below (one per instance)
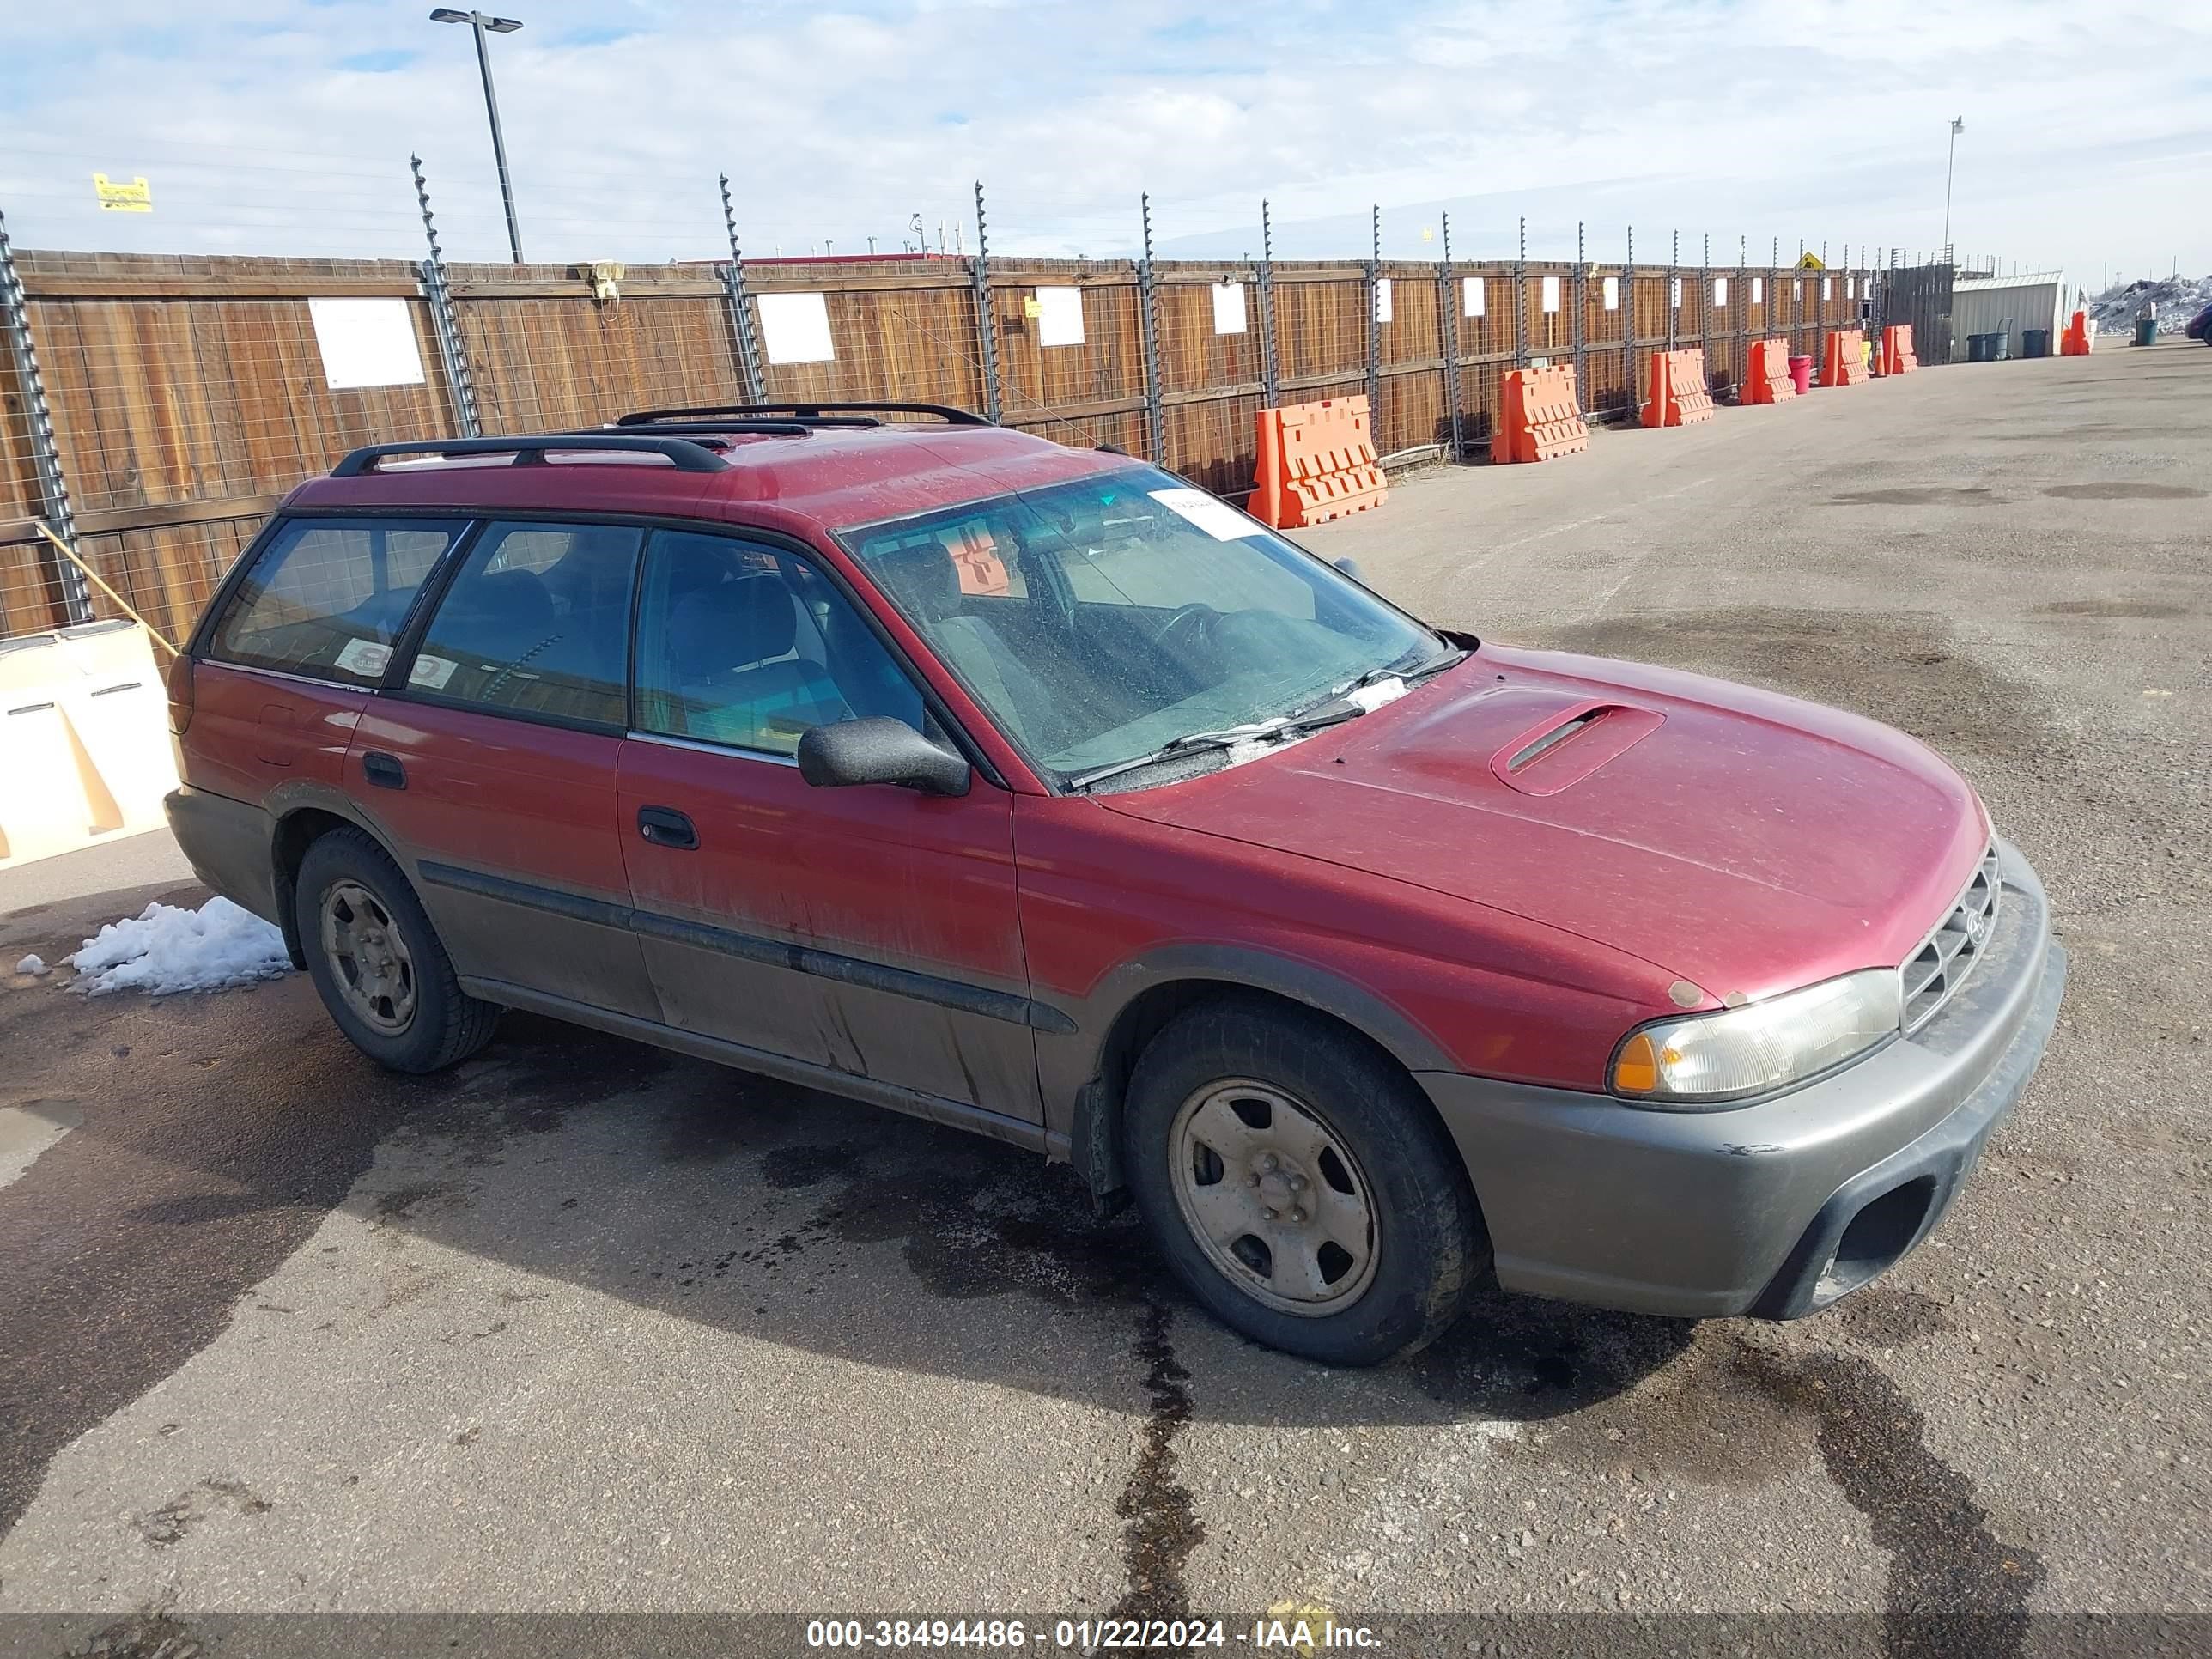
(1297, 1635)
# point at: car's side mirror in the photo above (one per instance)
(879, 750)
(1350, 567)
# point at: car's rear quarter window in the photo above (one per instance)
(326, 598)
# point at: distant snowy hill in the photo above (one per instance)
(2179, 299)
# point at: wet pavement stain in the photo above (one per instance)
(1885, 1316)
(142, 1636)
(2117, 491)
(790, 1167)
(1924, 495)
(2148, 609)
(1954, 1588)
(1160, 1526)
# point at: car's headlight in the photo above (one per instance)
(1747, 1050)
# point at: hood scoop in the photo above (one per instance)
(1569, 744)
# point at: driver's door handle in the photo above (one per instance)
(664, 826)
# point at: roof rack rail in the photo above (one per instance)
(827, 414)
(687, 457)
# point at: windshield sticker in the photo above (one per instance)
(1216, 517)
(431, 671)
(365, 658)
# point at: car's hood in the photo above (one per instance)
(1744, 841)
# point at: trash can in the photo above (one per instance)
(2035, 342)
(1801, 373)
(1977, 348)
(2146, 330)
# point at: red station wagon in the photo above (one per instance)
(1032, 791)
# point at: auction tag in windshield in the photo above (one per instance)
(1216, 517)
(364, 658)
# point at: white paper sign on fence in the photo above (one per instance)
(1382, 298)
(1550, 293)
(1470, 296)
(1720, 290)
(1613, 293)
(366, 342)
(1228, 307)
(795, 328)
(1059, 316)
(1759, 290)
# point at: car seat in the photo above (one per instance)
(921, 576)
(737, 680)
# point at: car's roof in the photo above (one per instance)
(832, 475)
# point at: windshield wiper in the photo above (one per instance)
(1449, 658)
(1266, 730)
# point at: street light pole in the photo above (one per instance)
(1958, 126)
(479, 26)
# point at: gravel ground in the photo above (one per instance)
(583, 1326)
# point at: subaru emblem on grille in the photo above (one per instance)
(1975, 926)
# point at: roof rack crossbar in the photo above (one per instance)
(805, 412)
(682, 452)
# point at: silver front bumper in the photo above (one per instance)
(1775, 1208)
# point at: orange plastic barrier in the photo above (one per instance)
(2075, 342)
(1847, 353)
(1767, 380)
(1896, 356)
(1316, 462)
(1542, 417)
(1680, 395)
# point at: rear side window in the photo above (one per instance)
(536, 622)
(327, 597)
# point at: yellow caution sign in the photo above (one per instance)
(136, 196)
(1032, 307)
(1810, 262)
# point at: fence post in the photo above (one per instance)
(1521, 299)
(741, 311)
(1581, 322)
(1673, 289)
(1821, 297)
(452, 353)
(1375, 329)
(1628, 325)
(38, 424)
(1448, 314)
(1148, 322)
(987, 317)
(1271, 384)
(1706, 310)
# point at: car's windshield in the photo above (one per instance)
(1101, 620)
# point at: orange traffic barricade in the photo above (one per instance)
(1541, 416)
(1896, 356)
(1316, 462)
(1680, 395)
(2075, 342)
(1846, 360)
(1767, 380)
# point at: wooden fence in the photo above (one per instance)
(188, 394)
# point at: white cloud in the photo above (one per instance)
(2085, 139)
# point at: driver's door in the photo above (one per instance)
(868, 930)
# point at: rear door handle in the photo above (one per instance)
(383, 770)
(664, 826)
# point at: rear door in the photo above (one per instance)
(870, 930)
(490, 762)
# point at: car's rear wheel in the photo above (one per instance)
(377, 962)
(1298, 1183)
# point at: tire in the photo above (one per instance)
(1228, 1087)
(427, 1022)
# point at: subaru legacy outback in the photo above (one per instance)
(1032, 791)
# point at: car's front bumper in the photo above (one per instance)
(1775, 1208)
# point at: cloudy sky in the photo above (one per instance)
(283, 126)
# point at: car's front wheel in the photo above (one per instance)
(377, 962)
(1299, 1184)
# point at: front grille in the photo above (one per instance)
(1941, 964)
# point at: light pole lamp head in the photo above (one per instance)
(1958, 124)
(502, 25)
(447, 14)
(496, 24)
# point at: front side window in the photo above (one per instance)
(746, 646)
(1136, 611)
(536, 622)
(327, 597)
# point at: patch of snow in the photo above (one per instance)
(2178, 300)
(1369, 698)
(32, 965)
(164, 950)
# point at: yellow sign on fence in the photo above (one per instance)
(136, 196)
(1810, 262)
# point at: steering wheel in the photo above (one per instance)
(1189, 626)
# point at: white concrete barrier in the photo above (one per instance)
(84, 739)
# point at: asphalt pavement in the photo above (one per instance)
(585, 1327)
